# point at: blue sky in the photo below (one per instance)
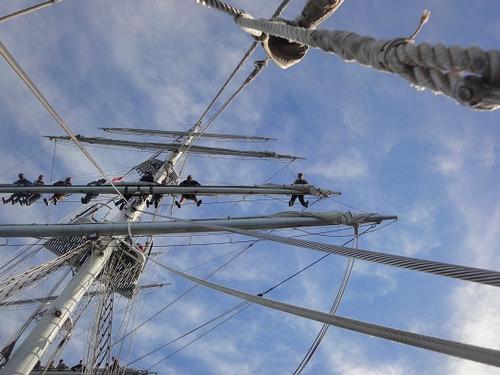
(387, 147)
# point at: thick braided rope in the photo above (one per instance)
(453, 348)
(221, 7)
(438, 67)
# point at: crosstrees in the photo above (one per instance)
(177, 147)
(175, 134)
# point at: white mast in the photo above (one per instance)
(25, 356)
(43, 334)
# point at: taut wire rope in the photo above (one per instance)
(453, 348)
(465, 273)
(333, 310)
(28, 10)
(239, 306)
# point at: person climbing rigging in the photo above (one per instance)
(190, 183)
(58, 196)
(33, 197)
(299, 181)
(89, 196)
(14, 198)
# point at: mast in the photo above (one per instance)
(26, 355)
(43, 334)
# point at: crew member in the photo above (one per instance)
(14, 198)
(33, 197)
(156, 197)
(189, 182)
(89, 196)
(58, 196)
(299, 181)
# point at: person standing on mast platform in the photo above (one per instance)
(189, 182)
(299, 181)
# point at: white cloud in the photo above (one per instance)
(158, 64)
(349, 165)
(351, 360)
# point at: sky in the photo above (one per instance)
(386, 146)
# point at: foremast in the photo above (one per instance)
(35, 344)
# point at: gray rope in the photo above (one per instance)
(477, 275)
(333, 310)
(28, 10)
(438, 68)
(465, 273)
(471, 76)
(221, 7)
(28, 278)
(453, 348)
(245, 57)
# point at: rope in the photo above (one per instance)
(221, 7)
(453, 348)
(465, 273)
(206, 323)
(28, 10)
(244, 305)
(477, 275)
(185, 293)
(333, 310)
(27, 278)
(438, 68)
(38, 94)
(471, 76)
(23, 161)
(258, 67)
(6, 351)
(240, 306)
